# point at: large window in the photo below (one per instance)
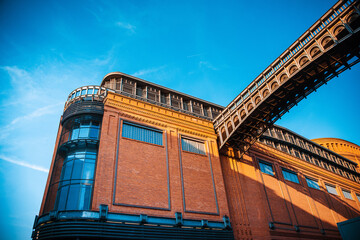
(331, 189)
(142, 133)
(347, 194)
(76, 180)
(312, 183)
(290, 176)
(194, 146)
(266, 168)
(85, 127)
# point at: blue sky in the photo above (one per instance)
(208, 49)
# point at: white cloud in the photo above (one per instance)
(206, 64)
(144, 72)
(126, 26)
(24, 164)
(50, 109)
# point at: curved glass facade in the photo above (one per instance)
(83, 127)
(76, 180)
(78, 166)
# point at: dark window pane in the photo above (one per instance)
(94, 133)
(62, 198)
(85, 197)
(67, 170)
(73, 198)
(78, 165)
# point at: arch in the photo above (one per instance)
(315, 51)
(223, 133)
(274, 85)
(353, 20)
(236, 120)
(265, 93)
(242, 114)
(257, 100)
(327, 42)
(340, 31)
(250, 107)
(303, 60)
(292, 69)
(229, 127)
(283, 77)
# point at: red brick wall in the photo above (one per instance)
(50, 193)
(256, 198)
(142, 174)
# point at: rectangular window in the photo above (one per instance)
(266, 168)
(331, 189)
(312, 183)
(194, 146)
(290, 176)
(142, 133)
(347, 194)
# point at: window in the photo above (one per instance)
(142, 133)
(312, 183)
(76, 180)
(85, 127)
(194, 146)
(266, 168)
(358, 197)
(347, 194)
(331, 189)
(290, 176)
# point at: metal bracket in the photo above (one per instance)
(53, 215)
(178, 219)
(227, 224)
(103, 211)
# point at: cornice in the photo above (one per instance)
(156, 115)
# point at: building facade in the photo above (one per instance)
(135, 160)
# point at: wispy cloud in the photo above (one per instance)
(131, 28)
(144, 72)
(38, 113)
(24, 164)
(206, 64)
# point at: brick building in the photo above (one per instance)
(135, 160)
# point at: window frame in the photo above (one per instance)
(290, 172)
(199, 141)
(260, 161)
(312, 180)
(347, 191)
(333, 186)
(145, 127)
(357, 196)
